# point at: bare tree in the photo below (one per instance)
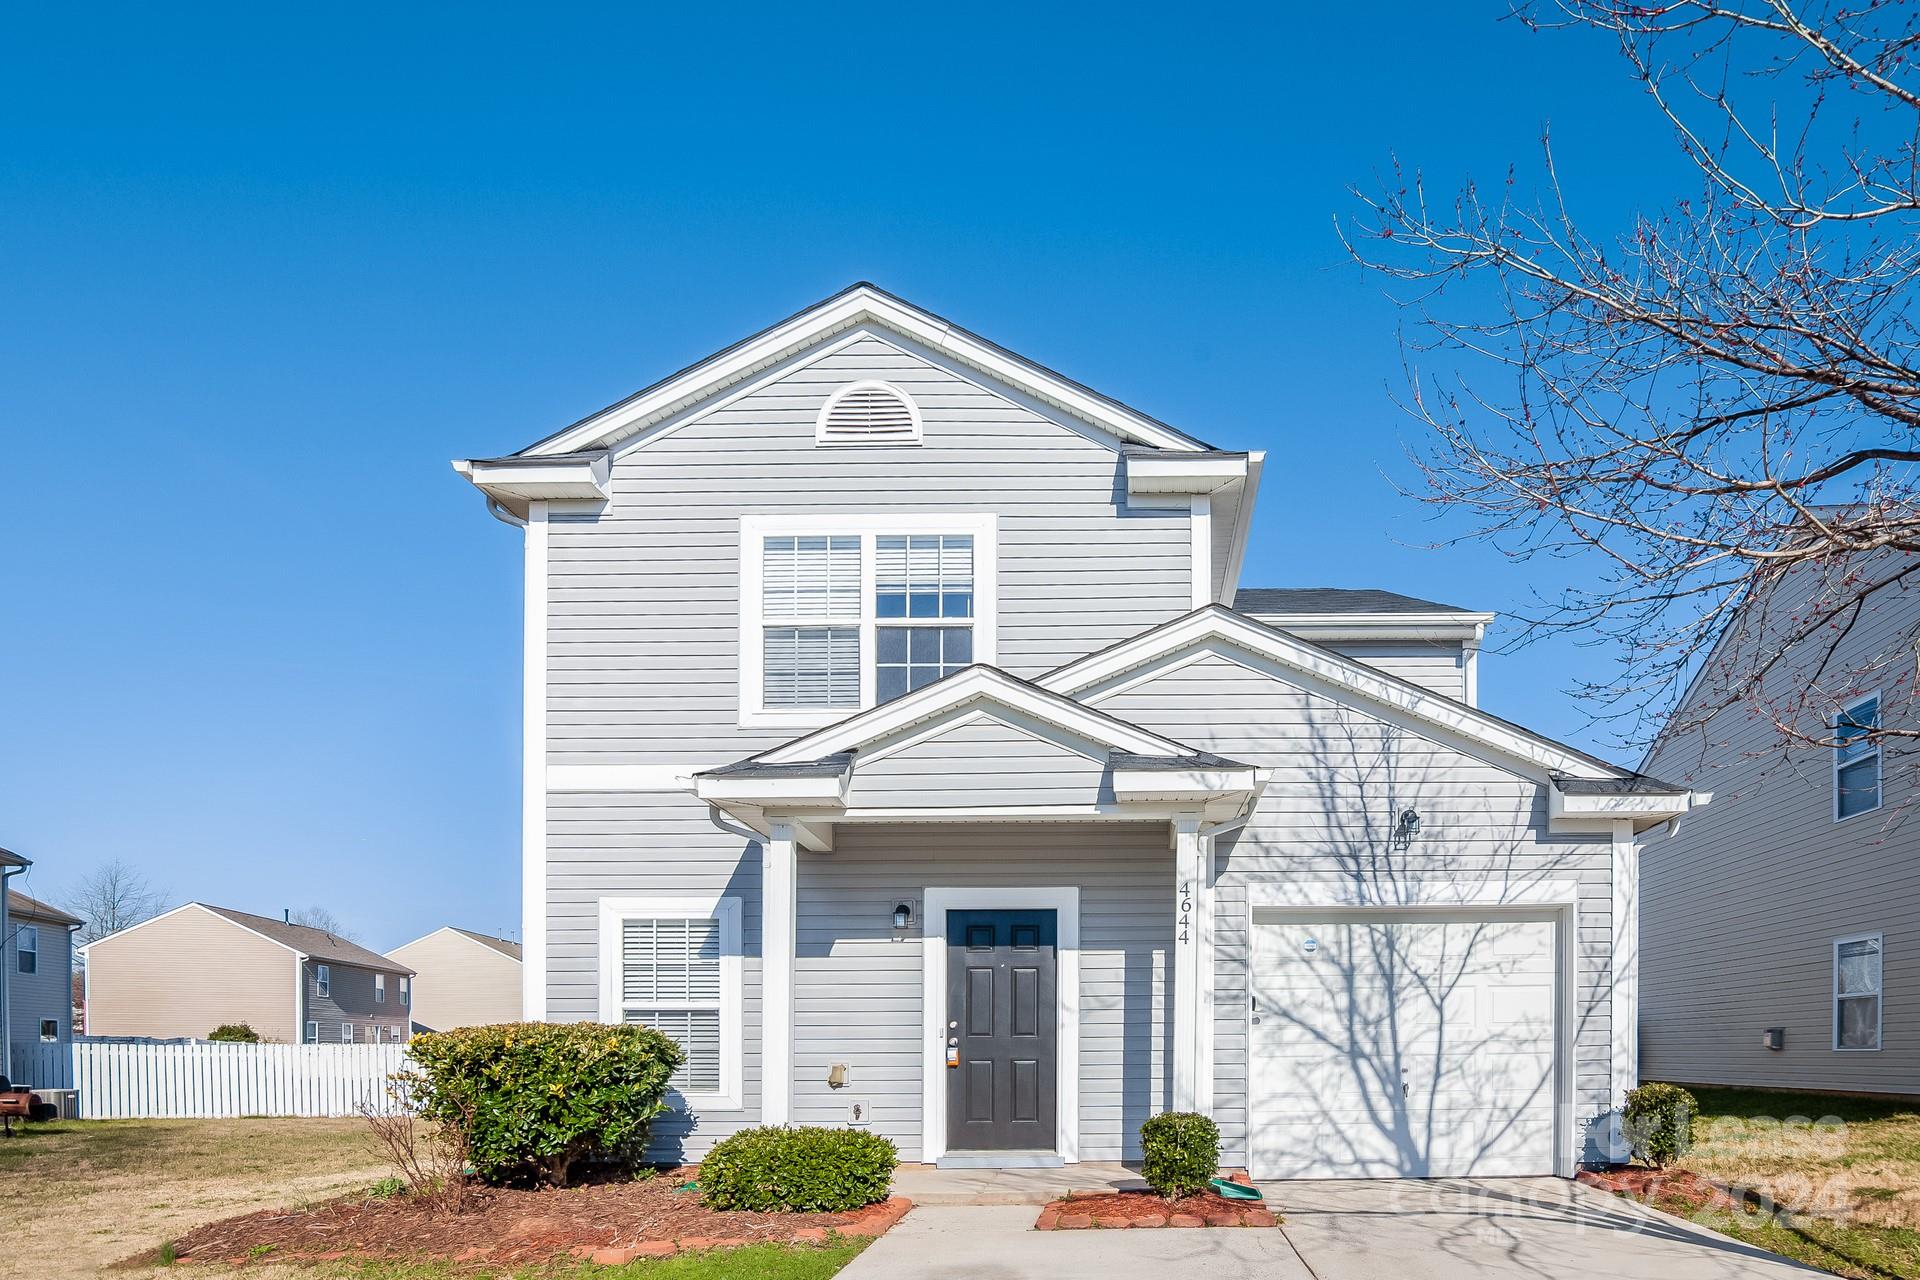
(113, 896)
(318, 917)
(1716, 412)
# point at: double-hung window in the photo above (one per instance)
(1856, 758)
(406, 991)
(379, 988)
(323, 980)
(313, 1032)
(840, 613)
(673, 964)
(26, 946)
(1856, 992)
(346, 1033)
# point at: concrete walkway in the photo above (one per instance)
(1537, 1228)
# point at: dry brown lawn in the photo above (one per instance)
(81, 1195)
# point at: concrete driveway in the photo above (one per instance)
(1540, 1229)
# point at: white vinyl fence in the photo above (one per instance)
(119, 1079)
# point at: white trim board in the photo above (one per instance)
(724, 908)
(936, 901)
(533, 773)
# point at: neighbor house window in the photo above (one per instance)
(346, 1033)
(1856, 758)
(848, 612)
(674, 965)
(406, 991)
(49, 1029)
(27, 947)
(1856, 992)
(379, 988)
(313, 1033)
(323, 980)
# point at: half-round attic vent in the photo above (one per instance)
(868, 413)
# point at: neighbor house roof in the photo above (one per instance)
(20, 905)
(501, 945)
(1305, 600)
(315, 943)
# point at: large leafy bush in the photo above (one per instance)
(533, 1098)
(234, 1033)
(1658, 1123)
(1181, 1151)
(806, 1170)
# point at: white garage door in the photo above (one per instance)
(1402, 1047)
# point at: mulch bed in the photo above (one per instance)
(1127, 1209)
(611, 1223)
(1674, 1189)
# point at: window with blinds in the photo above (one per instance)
(1856, 992)
(670, 980)
(810, 610)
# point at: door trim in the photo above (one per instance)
(1064, 902)
(1544, 902)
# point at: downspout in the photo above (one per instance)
(504, 516)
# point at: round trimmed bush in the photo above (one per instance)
(532, 1098)
(1658, 1123)
(804, 1170)
(1181, 1151)
(234, 1033)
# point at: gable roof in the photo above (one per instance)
(502, 945)
(860, 303)
(1333, 600)
(317, 944)
(19, 905)
(1365, 682)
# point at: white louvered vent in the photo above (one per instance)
(868, 413)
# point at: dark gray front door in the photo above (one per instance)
(1003, 1020)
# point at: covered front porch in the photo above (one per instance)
(987, 924)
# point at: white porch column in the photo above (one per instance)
(1625, 1014)
(1188, 957)
(777, 924)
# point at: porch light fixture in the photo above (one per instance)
(903, 916)
(1407, 828)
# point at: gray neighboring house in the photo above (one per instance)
(900, 739)
(196, 967)
(38, 959)
(1780, 926)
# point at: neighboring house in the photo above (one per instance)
(1780, 926)
(189, 970)
(899, 738)
(38, 958)
(462, 979)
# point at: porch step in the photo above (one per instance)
(999, 1160)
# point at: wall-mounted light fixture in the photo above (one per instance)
(903, 916)
(1406, 828)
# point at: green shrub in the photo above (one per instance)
(1181, 1151)
(532, 1098)
(234, 1033)
(1658, 1123)
(386, 1189)
(804, 1170)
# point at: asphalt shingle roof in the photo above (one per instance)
(1298, 600)
(317, 943)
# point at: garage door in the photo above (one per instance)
(1393, 1046)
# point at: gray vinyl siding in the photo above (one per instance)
(984, 759)
(45, 993)
(857, 991)
(648, 844)
(1740, 909)
(1437, 665)
(643, 595)
(1340, 777)
(349, 998)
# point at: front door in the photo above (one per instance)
(1003, 1030)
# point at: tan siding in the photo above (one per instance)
(459, 982)
(184, 975)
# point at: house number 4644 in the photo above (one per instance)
(1186, 909)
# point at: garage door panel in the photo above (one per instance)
(1396, 1047)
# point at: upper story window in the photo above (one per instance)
(406, 991)
(323, 980)
(27, 947)
(870, 413)
(842, 612)
(1856, 760)
(379, 988)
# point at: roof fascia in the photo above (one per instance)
(1213, 622)
(861, 304)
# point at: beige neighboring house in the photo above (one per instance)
(462, 979)
(189, 970)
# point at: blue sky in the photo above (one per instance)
(264, 272)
